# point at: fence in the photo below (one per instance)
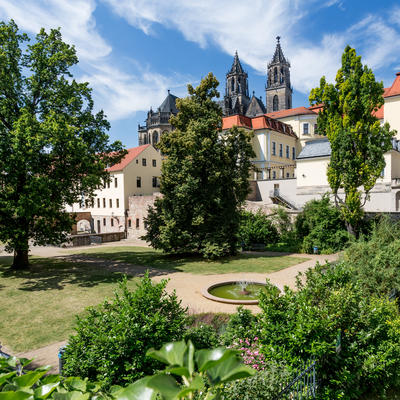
(303, 386)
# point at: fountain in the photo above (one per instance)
(234, 292)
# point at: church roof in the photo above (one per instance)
(169, 104)
(394, 90)
(278, 55)
(256, 107)
(132, 154)
(236, 66)
(315, 148)
(291, 112)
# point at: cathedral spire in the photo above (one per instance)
(278, 55)
(236, 66)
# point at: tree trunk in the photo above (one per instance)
(351, 229)
(21, 260)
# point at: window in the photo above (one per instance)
(293, 153)
(137, 161)
(110, 203)
(144, 162)
(104, 221)
(287, 152)
(145, 225)
(280, 150)
(287, 174)
(154, 163)
(117, 203)
(138, 182)
(305, 128)
(108, 184)
(273, 174)
(275, 76)
(155, 137)
(116, 182)
(98, 226)
(104, 202)
(129, 223)
(273, 148)
(137, 223)
(289, 103)
(155, 183)
(275, 103)
(315, 129)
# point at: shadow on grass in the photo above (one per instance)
(172, 262)
(55, 274)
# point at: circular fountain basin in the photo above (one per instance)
(232, 293)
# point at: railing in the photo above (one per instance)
(304, 386)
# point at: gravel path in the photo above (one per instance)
(188, 286)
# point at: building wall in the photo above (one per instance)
(138, 206)
(312, 171)
(392, 113)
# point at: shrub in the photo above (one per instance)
(257, 228)
(202, 336)
(298, 324)
(112, 339)
(320, 224)
(265, 385)
(250, 352)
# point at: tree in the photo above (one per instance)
(357, 139)
(204, 179)
(53, 149)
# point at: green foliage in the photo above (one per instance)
(357, 139)
(264, 385)
(19, 384)
(202, 336)
(203, 371)
(242, 324)
(111, 341)
(53, 148)
(205, 179)
(375, 262)
(320, 224)
(257, 228)
(298, 324)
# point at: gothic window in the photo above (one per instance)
(232, 84)
(275, 103)
(289, 104)
(155, 137)
(282, 75)
(275, 75)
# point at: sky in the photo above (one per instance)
(132, 51)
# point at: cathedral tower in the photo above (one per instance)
(278, 89)
(236, 99)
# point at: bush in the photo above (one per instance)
(320, 224)
(202, 336)
(265, 385)
(257, 228)
(299, 324)
(111, 340)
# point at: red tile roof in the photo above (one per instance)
(290, 112)
(394, 90)
(259, 122)
(132, 154)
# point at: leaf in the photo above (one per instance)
(18, 395)
(196, 384)
(28, 379)
(166, 385)
(44, 391)
(170, 353)
(75, 395)
(136, 391)
(206, 359)
(75, 383)
(5, 376)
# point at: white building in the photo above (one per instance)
(138, 174)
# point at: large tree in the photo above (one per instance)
(357, 139)
(204, 179)
(53, 148)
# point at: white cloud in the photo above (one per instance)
(234, 25)
(120, 94)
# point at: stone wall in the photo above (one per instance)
(98, 238)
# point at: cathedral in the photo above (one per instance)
(278, 96)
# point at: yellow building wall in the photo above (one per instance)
(392, 113)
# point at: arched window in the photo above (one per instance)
(289, 104)
(275, 103)
(282, 76)
(155, 137)
(275, 75)
(145, 138)
(232, 84)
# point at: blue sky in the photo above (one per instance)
(132, 51)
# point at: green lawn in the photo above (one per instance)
(152, 258)
(38, 307)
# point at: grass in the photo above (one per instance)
(244, 262)
(38, 306)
